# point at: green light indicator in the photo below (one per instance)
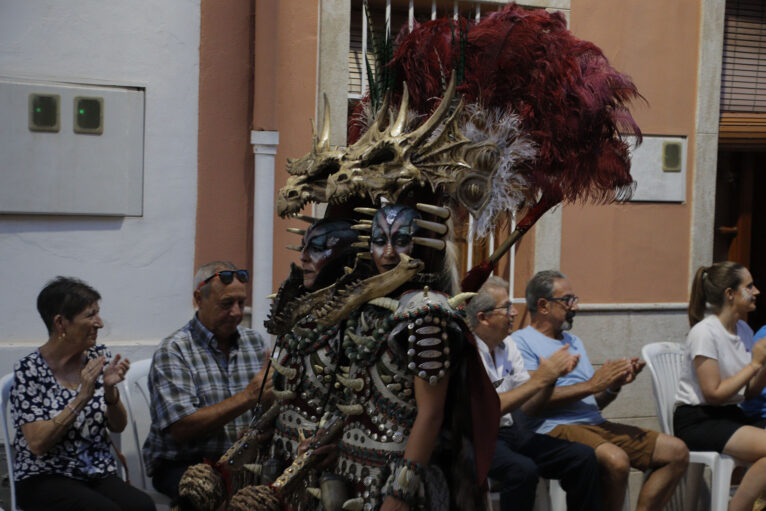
(44, 112)
(88, 115)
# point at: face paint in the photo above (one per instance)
(323, 242)
(392, 232)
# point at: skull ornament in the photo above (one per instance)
(308, 174)
(481, 170)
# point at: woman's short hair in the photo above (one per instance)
(67, 296)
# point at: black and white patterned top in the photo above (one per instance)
(84, 452)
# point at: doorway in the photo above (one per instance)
(740, 218)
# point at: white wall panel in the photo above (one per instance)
(67, 171)
(143, 266)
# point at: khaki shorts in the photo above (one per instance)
(638, 443)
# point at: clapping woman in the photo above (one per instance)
(721, 373)
(64, 402)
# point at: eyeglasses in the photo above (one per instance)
(568, 300)
(506, 308)
(227, 277)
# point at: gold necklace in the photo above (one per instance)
(69, 384)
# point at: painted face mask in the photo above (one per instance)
(324, 241)
(393, 229)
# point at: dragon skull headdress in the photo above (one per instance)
(470, 156)
(539, 122)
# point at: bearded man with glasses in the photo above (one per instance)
(522, 456)
(573, 410)
(205, 379)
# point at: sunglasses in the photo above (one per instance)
(568, 300)
(227, 277)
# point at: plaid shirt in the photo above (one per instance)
(189, 372)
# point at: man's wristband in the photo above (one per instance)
(613, 392)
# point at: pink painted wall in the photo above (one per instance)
(638, 252)
(225, 157)
(294, 87)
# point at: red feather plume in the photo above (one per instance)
(570, 100)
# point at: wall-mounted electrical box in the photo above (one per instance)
(71, 149)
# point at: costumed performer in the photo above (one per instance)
(400, 350)
(303, 360)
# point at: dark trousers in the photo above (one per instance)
(60, 493)
(167, 474)
(522, 457)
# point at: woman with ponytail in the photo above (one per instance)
(721, 373)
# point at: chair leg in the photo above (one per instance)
(542, 496)
(489, 502)
(626, 502)
(694, 485)
(720, 482)
(557, 495)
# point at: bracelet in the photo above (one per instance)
(72, 409)
(613, 392)
(407, 477)
(112, 403)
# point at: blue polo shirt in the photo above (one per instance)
(533, 346)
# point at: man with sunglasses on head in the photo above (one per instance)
(205, 379)
(522, 456)
(573, 410)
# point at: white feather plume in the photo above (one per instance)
(509, 185)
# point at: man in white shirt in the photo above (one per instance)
(522, 456)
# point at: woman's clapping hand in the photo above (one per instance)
(89, 374)
(115, 370)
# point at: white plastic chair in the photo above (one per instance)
(558, 497)
(550, 497)
(665, 361)
(542, 497)
(10, 452)
(138, 403)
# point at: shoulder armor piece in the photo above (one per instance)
(427, 315)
